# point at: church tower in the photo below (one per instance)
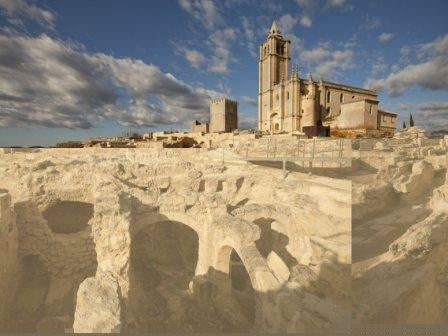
(273, 68)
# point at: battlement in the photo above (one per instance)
(218, 101)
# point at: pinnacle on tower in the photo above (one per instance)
(310, 77)
(274, 30)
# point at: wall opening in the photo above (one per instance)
(242, 289)
(163, 261)
(29, 305)
(68, 216)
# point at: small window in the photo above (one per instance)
(353, 97)
(341, 98)
(328, 111)
(287, 95)
(371, 109)
(328, 96)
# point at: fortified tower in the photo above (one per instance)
(223, 115)
(273, 68)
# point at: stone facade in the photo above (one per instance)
(223, 115)
(197, 126)
(288, 103)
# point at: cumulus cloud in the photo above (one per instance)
(311, 7)
(432, 115)
(249, 33)
(48, 82)
(308, 8)
(326, 61)
(306, 21)
(286, 24)
(20, 8)
(205, 11)
(385, 37)
(194, 57)
(249, 101)
(431, 73)
(315, 55)
(220, 42)
(379, 66)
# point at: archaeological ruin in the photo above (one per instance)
(271, 234)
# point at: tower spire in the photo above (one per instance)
(274, 29)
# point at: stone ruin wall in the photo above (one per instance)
(130, 190)
(129, 187)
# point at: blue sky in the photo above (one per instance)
(76, 69)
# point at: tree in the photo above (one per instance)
(411, 120)
(404, 125)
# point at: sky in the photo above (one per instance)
(71, 70)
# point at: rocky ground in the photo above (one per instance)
(400, 233)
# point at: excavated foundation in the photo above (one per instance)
(171, 241)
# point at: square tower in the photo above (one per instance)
(273, 67)
(223, 115)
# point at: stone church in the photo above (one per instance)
(289, 103)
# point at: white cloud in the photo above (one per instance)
(250, 35)
(47, 82)
(306, 21)
(385, 37)
(249, 101)
(432, 115)
(286, 24)
(15, 8)
(194, 57)
(314, 55)
(336, 3)
(205, 11)
(379, 66)
(221, 41)
(431, 74)
(328, 62)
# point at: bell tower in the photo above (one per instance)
(273, 65)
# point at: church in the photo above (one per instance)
(288, 103)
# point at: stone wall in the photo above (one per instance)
(8, 255)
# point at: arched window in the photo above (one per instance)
(371, 109)
(328, 96)
(328, 111)
(287, 95)
(341, 98)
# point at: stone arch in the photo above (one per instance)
(260, 275)
(164, 254)
(153, 217)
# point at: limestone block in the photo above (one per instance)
(417, 182)
(98, 307)
(277, 265)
